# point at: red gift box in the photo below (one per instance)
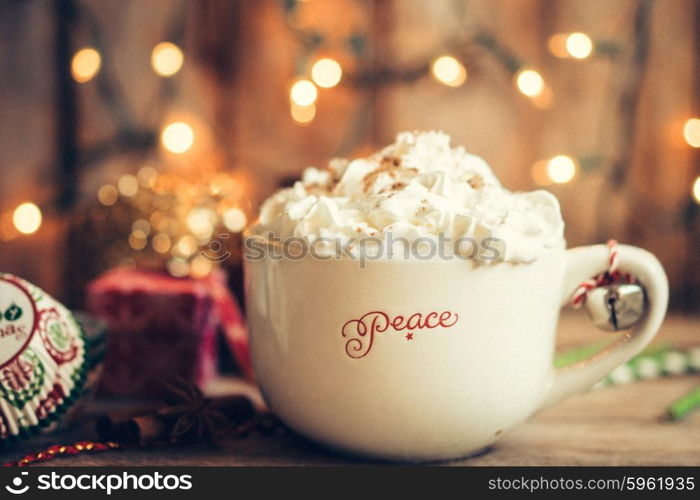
(161, 327)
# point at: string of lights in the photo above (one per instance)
(90, 64)
(450, 68)
(170, 216)
(316, 72)
(173, 215)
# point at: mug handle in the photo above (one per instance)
(583, 263)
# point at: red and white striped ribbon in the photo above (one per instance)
(610, 276)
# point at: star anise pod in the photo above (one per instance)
(192, 423)
(188, 417)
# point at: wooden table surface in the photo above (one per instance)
(618, 425)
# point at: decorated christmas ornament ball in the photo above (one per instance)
(42, 358)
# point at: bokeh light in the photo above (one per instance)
(27, 218)
(561, 169)
(235, 220)
(545, 100)
(448, 70)
(137, 240)
(177, 137)
(142, 227)
(571, 45)
(326, 72)
(303, 115)
(557, 45)
(85, 64)
(530, 82)
(186, 246)
(107, 195)
(201, 222)
(303, 93)
(579, 45)
(128, 185)
(161, 243)
(147, 176)
(200, 267)
(178, 267)
(691, 132)
(696, 189)
(166, 59)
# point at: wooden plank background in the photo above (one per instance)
(240, 60)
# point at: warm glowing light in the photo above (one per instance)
(161, 243)
(571, 45)
(200, 267)
(85, 64)
(142, 227)
(545, 100)
(166, 59)
(147, 176)
(177, 137)
(450, 71)
(557, 45)
(303, 93)
(27, 218)
(561, 169)
(326, 73)
(107, 195)
(178, 267)
(303, 115)
(128, 185)
(201, 222)
(159, 220)
(696, 189)
(186, 246)
(529, 82)
(579, 45)
(137, 240)
(691, 132)
(235, 220)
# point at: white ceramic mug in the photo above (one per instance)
(426, 360)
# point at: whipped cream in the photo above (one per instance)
(418, 187)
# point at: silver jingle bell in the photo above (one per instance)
(617, 306)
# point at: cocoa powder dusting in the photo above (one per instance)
(476, 182)
(390, 165)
